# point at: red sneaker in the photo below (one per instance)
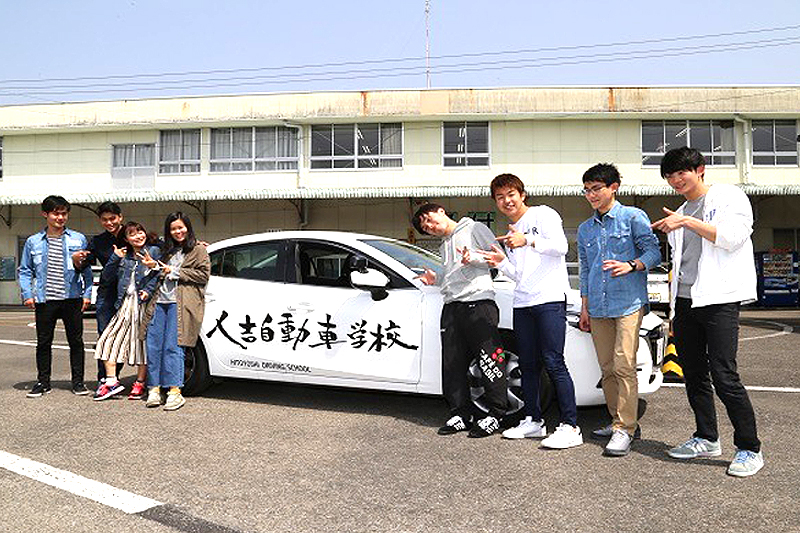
(137, 391)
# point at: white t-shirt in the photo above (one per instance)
(539, 270)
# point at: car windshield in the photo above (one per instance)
(416, 259)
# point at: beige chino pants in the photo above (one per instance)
(616, 341)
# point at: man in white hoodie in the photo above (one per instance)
(468, 322)
(713, 273)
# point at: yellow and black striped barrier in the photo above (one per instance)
(670, 368)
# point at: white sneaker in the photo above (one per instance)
(565, 436)
(526, 429)
(746, 463)
(619, 444)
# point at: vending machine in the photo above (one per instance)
(778, 276)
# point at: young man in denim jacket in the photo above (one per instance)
(616, 248)
(52, 286)
(713, 273)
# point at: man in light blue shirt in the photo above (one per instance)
(616, 248)
(52, 286)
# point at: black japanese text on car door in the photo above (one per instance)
(334, 331)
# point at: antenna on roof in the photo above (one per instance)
(428, 43)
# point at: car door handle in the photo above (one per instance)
(301, 307)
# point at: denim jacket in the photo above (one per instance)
(122, 268)
(623, 234)
(33, 266)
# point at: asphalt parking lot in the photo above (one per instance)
(249, 457)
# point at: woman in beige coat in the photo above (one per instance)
(172, 317)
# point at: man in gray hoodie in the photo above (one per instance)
(469, 320)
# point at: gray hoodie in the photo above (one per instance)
(471, 282)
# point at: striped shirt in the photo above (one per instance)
(54, 284)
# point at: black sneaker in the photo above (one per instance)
(79, 389)
(454, 425)
(39, 389)
(484, 427)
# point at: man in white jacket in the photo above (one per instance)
(713, 273)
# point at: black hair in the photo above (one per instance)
(108, 207)
(170, 245)
(424, 209)
(122, 236)
(52, 202)
(606, 173)
(683, 158)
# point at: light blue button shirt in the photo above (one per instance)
(623, 234)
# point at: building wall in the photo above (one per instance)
(541, 152)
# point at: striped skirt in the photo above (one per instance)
(120, 340)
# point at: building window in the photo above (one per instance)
(357, 146)
(774, 142)
(134, 155)
(466, 144)
(253, 149)
(715, 139)
(179, 152)
(133, 166)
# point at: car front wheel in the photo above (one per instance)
(514, 376)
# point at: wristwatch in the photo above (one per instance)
(632, 263)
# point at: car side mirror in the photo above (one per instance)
(372, 280)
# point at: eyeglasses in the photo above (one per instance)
(594, 190)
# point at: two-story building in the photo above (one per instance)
(362, 161)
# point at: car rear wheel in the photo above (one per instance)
(196, 376)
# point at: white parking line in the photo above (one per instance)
(32, 343)
(785, 330)
(756, 388)
(123, 500)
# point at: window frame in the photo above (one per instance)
(280, 261)
(709, 156)
(253, 160)
(466, 155)
(774, 153)
(135, 156)
(1, 158)
(356, 157)
(182, 159)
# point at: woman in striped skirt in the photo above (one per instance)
(120, 341)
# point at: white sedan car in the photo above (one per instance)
(345, 309)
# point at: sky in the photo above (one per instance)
(84, 50)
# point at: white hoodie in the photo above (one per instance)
(726, 271)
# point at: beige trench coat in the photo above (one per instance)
(190, 295)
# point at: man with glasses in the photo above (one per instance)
(616, 248)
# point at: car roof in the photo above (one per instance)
(334, 236)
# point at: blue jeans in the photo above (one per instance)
(540, 331)
(164, 356)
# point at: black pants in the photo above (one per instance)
(707, 339)
(469, 331)
(71, 314)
